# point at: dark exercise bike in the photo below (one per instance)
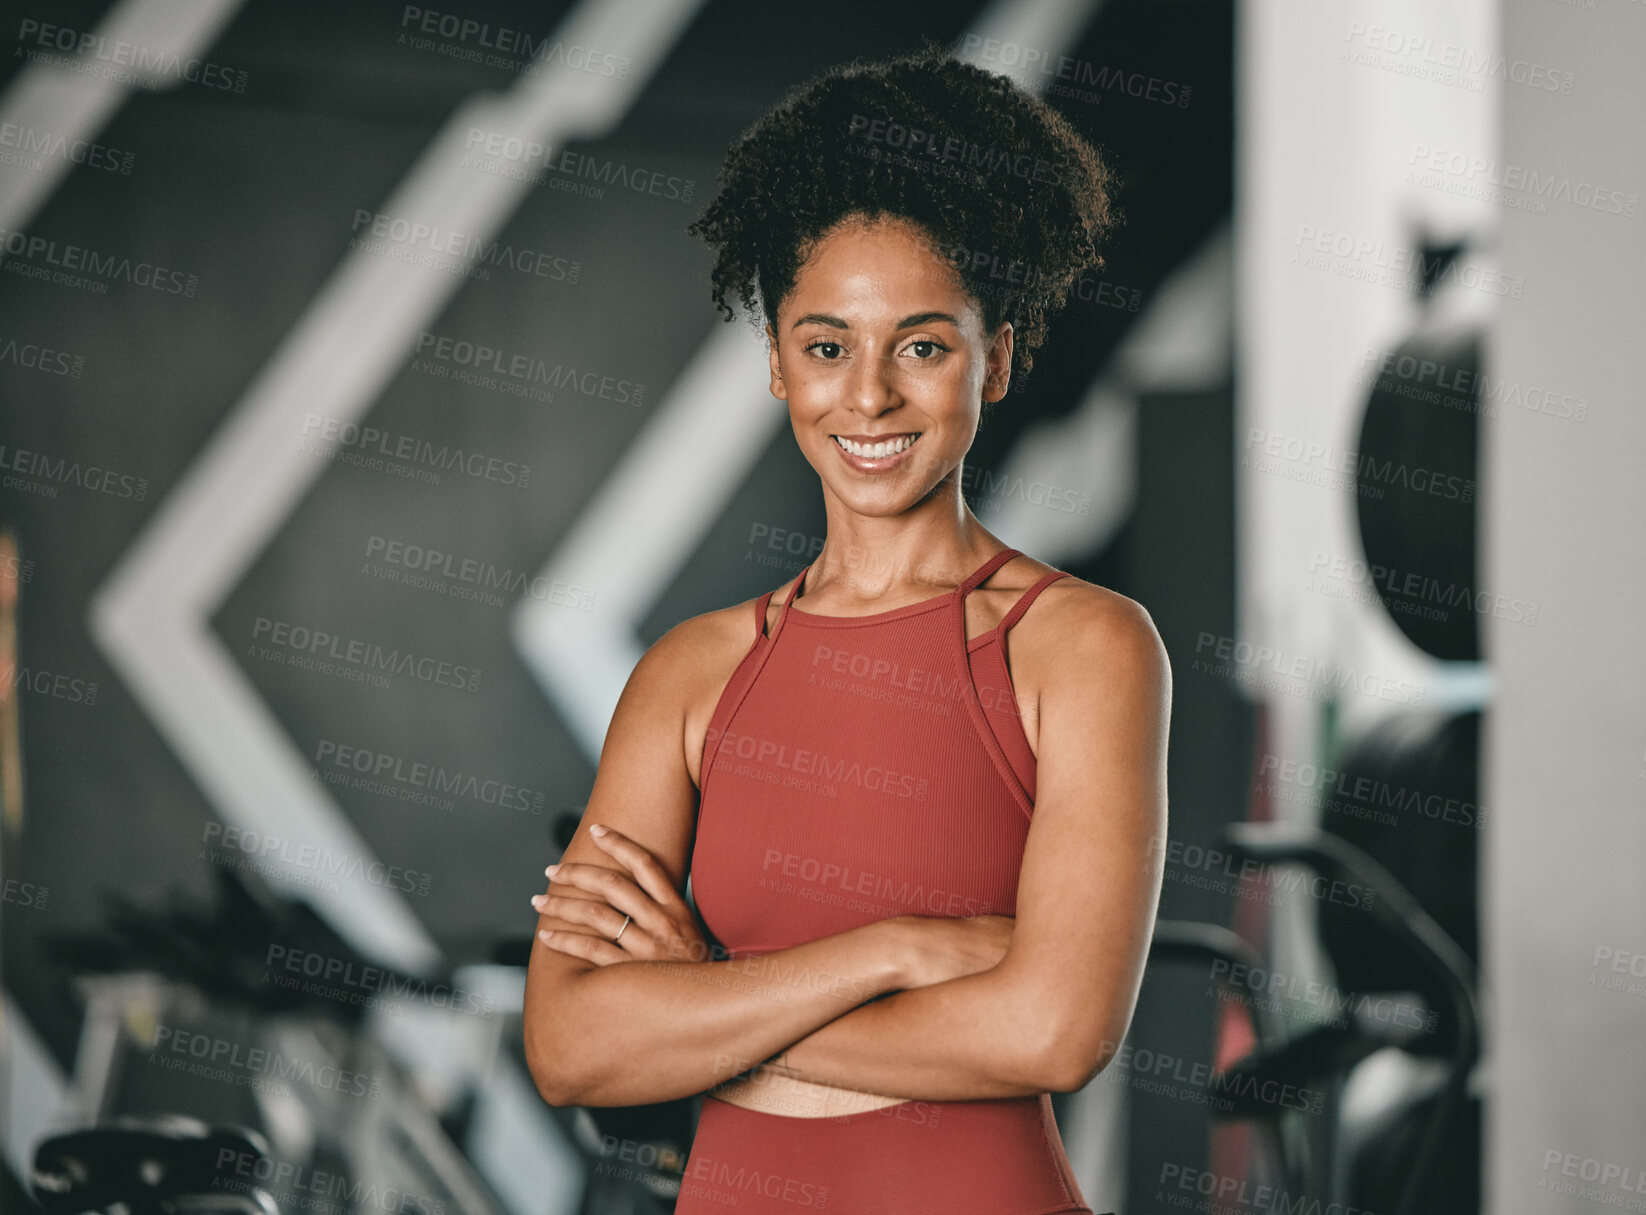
(296, 1066)
(168, 1165)
(1402, 1133)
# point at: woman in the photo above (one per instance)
(929, 873)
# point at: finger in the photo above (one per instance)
(648, 872)
(597, 917)
(617, 889)
(602, 880)
(580, 945)
(600, 921)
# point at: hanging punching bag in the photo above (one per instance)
(1415, 487)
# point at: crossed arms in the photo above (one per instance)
(913, 1007)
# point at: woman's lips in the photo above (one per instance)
(875, 463)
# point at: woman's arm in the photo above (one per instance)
(635, 1033)
(1051, 1015)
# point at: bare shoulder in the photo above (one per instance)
(1083, 610)
(1078, 632)
(695, 660)
(699, 646)
(693, 646)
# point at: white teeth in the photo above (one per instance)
(876, 450)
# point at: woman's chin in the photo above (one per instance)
(877, 493)
(877, 502)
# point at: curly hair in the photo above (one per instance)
(1006, 190)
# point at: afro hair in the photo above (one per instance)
(1004, 188)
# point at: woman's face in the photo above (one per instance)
(878, 342)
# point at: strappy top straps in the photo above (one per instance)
(1015, 612)
(760, 607)
(1028, 597)
(782, 612)
(1022, 605)
(983, 571)
(958, 595)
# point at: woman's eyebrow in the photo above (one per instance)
(908, 322)
(925, 318)
(818, 318)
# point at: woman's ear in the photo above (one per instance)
(997, 369)
(778, 391)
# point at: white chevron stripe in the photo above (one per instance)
(36, 1096)
(151, 616)
(655, 506)
(75, 105)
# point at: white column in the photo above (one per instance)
(1564, 875)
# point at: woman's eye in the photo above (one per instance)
(926, 350)
(832, 347)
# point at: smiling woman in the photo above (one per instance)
(926, 868)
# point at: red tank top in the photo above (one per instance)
(862, 767)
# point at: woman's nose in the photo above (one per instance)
(873, 387)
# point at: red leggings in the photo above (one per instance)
(998, 1157)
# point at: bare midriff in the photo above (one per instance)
(770, 1091)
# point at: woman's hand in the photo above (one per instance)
(941, 948)
(660, 927)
